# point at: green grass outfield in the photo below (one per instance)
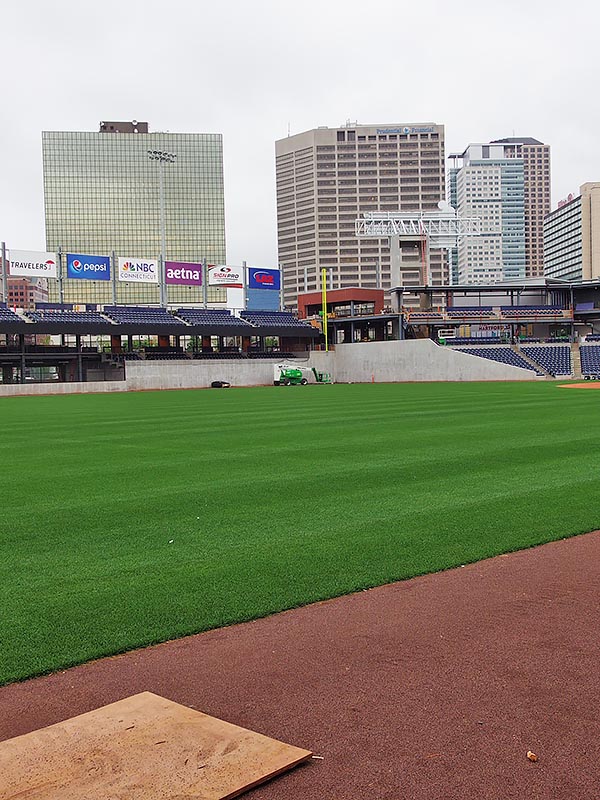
(129, 519)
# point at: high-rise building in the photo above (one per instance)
(327, 177)
(572, 237)
(507, 184)
(103, 195)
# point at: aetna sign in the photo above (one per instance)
(183, 274)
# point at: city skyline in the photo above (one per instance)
(276, 84)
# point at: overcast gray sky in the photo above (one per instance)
(249, 70)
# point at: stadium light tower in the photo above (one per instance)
(441, 229)
(163, 157)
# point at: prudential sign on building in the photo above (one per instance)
(138, 270)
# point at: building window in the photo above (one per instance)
(341, 136)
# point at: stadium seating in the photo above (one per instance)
(531, 311)
(264, 354)
(480, 311)
(590, 359)
(215, 317)
(273, 319)
(6, 315)
(166, 355)
(505, 355)
(136, 315)
(218, 356)
(593, 337)
(555, 359)
(474, 340)
(62, 315)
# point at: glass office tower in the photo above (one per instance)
(102, 196)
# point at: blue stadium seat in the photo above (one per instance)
(505, 355)
(555, 359)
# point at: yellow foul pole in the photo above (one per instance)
(324, 304)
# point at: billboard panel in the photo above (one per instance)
(182, 274)
(138, 270)
(226, 276)
(263, 278)
(90, 268)
(28, 263)
(257, 300)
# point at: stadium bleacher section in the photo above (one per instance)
(6, 315)
(531, 311)
(210, 316)
(60, 315)
(480, 311)
(505, 355)
(140, 315)
(554, 359)
(590, 359)
(275, 319)
(456, 340)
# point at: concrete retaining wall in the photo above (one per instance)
(415, 360)
(383, 362)
(197, 374)
(89, 387)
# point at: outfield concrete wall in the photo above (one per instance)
(197, 374)
(382, 362)
(411, 360)
(89, 387)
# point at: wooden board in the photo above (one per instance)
(142, 748)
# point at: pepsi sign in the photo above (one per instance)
(263, 279)
(90, 268)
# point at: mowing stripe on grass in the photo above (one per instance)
(129, 519)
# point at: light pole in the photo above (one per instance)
(162, 156)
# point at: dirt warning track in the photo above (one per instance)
(434, 688)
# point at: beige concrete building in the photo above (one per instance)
(572, 237)
(327, 177)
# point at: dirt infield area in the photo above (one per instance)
(582, 385)
(431, 688)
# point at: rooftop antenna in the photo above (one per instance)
(288, 128)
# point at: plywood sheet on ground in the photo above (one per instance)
(144, 747)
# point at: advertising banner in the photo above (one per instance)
(89, 268)
(263, 278)
(233, 277)
(138, 270)
(28, 263)
(182, 274)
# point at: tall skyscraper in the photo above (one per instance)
(572, 237)
(103, 194)
(537, 190)
(507, 184)
(327, 177)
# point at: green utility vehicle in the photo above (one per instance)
(288, 375)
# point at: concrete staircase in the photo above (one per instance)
(533, 363)
(576, 360)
